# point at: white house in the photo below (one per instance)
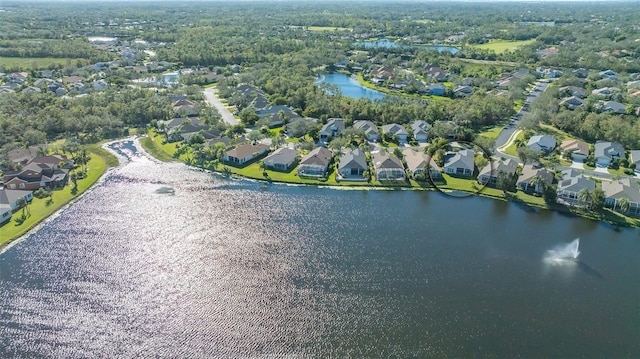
(459, 163)
(615, 191)
(244, 153)
(388, 167)
(579, 150)
(315, 163)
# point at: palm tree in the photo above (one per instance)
(537, 181)
(623, 204)
(584, 196)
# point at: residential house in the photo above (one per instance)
(633, 85)
(332, 128)
(609, 74)
(579, 150)
(397, 130)
(315, 163)
(581, 73)
(634, 158)
(605, 92)
(420, 130)
(369, 128)
(570, 184)
(9, 202)
(420, 163)
(435, 72)
(245, 153)
(31, 89)
(489, 174)
(572, 91)
(253, 96)
(605, 152)
(616, 190)
(544, 143)
(276, 115)
(436, 90)
(459, 163)
(462, 91)
(36, 175)
(180, 129)
(388, 167)
(11, 198)
(283, 159)
(24, 155)
(185, 108)
(100, 85)
(70, 80)
(353, 164)
(526, 181)
(572, 102)
(614, 107)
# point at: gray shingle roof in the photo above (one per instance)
(353, 159)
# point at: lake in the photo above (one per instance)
(349, 86)
(236, 268)
(388, 44)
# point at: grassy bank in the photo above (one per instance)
(149, 144)
(100, 161)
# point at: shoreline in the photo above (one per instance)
(39, 223)
(605, 216)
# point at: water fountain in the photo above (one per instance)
(564, 253)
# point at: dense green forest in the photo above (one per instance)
(279, 47)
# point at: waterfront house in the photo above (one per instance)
(397, 130)
(315, 163)
(459, 163)
(179, 129)
(11, 198)
(542, 143)
(418, 162)
(570, 184)
(353, 164)
(579, 150)
(606, 152)
(332, 128)
(369, 128)
(526, 180)
(617, 191)
(47, 171)
(5, 213)
(283, 159)
(489, 174)
(244, 154)
(388, 167)
(420, 130)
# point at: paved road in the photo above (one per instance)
(510, 128)
(210, 95)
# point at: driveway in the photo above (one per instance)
(601, 170)
(578, 165)
(211, 97)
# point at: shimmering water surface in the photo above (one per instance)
(232, 268)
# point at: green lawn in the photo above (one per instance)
(154, 149)
(500, 46)
(31, 63)
(100, 161)
(491, 133)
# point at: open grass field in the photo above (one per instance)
(500, 46)
(491, 133)
(30, 63)
(40, 210)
